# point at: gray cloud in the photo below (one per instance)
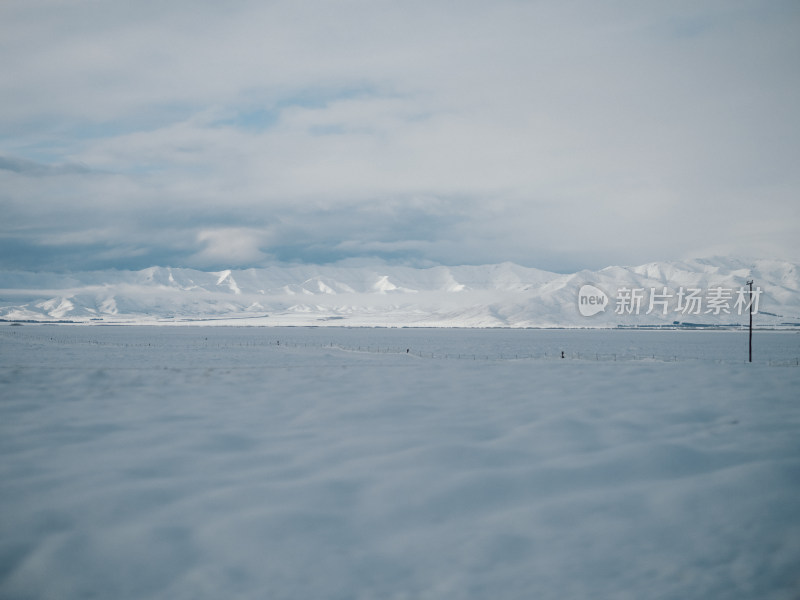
(558, 135)
(36, 169)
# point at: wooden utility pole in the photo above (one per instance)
(750, 343)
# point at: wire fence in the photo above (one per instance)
(530, 356)
(215, 343)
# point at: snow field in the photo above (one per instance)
(191, 467)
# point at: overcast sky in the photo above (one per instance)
(555, 134)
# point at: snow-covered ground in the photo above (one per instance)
(171, 463)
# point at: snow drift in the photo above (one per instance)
(155, 463)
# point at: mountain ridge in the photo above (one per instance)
(494, 295)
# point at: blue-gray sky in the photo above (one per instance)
(555, 134)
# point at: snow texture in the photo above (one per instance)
(207, 463)
(502, 295)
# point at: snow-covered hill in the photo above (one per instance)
(696, 292)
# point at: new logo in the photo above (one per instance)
(591, 300)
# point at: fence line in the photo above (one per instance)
(550, 356)
(204, 343)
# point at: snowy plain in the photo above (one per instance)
(221, 462)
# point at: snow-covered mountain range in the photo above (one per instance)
(687, 293)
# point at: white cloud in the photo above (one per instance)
(232, 246)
